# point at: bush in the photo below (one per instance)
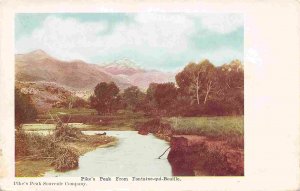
(79, 103)
(24, 109)
(66, 159)
(66, 133)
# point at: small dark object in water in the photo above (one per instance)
(101, 133)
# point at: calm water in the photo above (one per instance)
(134, 155)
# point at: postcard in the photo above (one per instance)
(147, 96)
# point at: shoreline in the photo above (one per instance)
(41, 166)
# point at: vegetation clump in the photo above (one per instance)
(65, 133)
(61, 149)
(31, 146)
(66, 159)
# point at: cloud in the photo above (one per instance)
(66, 39)
(70, 39)
(222, 23)
(154, 40)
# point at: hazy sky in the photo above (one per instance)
(165, 41)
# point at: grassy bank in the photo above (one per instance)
(36, 154)
(230, 129)
(208, 126)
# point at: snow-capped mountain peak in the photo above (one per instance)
(124, 66)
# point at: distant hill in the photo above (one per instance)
(39, 66)
(79, 75)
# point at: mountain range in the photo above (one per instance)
(78, 75)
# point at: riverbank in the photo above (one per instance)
(212, 146)
(199, 146)
(37, 154)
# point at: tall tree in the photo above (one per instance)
(133, 97)
(160, 98)
(197, 81)
(106, 98)
(231, 81)
(165, 95)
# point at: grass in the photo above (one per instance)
(208, 126)
(229, 129)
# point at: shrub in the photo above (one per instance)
(24, 109)
(66, 159)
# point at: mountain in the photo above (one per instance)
(81, 76)
(143, 79)
(122, 67)
(128, 71)
(39, 66)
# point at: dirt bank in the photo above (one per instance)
(195, 155)
(155, 126)
(198, 155)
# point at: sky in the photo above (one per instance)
(161, 41)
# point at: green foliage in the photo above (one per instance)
(24, 109)
(161, 98)
(106, 98)
(133, 98)
(208, 90)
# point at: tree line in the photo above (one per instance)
(200, 89)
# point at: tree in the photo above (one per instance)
(132, 98)
(165, 95)
(231, 82)
(208, 90)
(161, 98)
(106, 98)
(197, 81)
(24, 109)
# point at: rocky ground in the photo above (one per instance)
(47, 95)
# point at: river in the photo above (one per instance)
(134, 155)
